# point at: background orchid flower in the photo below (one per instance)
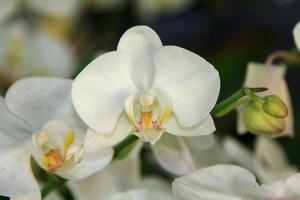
(38, 119)
(231, 182)
(146, 89)
(268, 161)
(256, 77)
(296, 33)
(112, 182)
(26, 52)
(48, 8)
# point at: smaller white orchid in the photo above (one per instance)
(268, 161)
(38, 119)
(146, 89)
(273, 78)
(296, 33)
(28, 52)
(230, 182)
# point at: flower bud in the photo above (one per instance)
(275, 107)
(259, 122)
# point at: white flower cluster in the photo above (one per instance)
(163, 95)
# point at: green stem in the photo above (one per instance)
(125, 147)
(232, 102)
(54, 183)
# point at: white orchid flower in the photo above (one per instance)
(272, 77)
(230, 182)
(268, 161)
(49, 8)
(146, 89)
(38, 119)
(27, 52)
(296, 33)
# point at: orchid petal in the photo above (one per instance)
(173, 155)
(140, 43)
(108, 181)
(12, 128)
(237, 153)
(29, 100)
(226, 182)
(46, 55)
(100, 90)
(91, 163)
(142, 194)
(95, 141)
(296, 33)
(190, 80)
(293, 184)
(270, 161)
(205, 127)
(15, 171)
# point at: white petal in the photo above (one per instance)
(46, 55)
(276, 190)
(33, 196)
(118, 176)
(205, 127)
(237, 153)
(54, 7)
(39, 100)
(12, 128)
(15, 171)
(270, 161)
(142, 194)
(173, 155)
(205, 150)
(91, 163)
(95, 141)
(226, 182)
(293, 184)
(190, 80)
(140, 43)
(285, 96)
(296, 33)
(100, 90)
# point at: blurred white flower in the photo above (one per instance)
(26, 52)
(230, 182)
(272, 77)
(118, 180)
(146, 89)
(38, 119)
(48, 8)
(296, 33)
(268, 161)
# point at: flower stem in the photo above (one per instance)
(125, 147)
(54, 183)
(234, 100)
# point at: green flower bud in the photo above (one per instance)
(274, 106)
(259, 122)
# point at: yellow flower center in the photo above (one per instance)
(55, 157)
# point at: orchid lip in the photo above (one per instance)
(147, 114)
